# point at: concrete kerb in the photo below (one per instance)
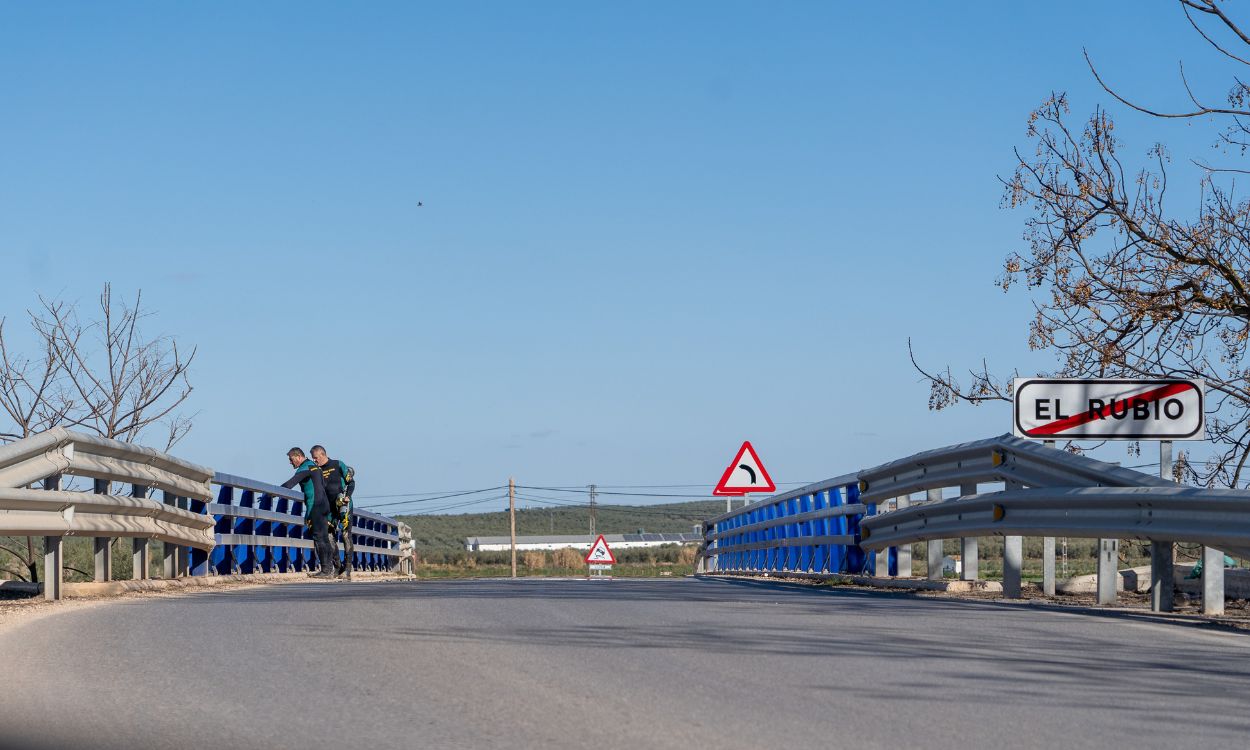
(1236, 582)
(919, 587)
(905, 584)
(92, 589)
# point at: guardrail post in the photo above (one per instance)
(53, 554)
(1108, 563)
(103, 545)
(1048, 565)
(103, 559)
(139, 545)
(1013, 558)
(1212, 581)
(881, 563)
(1013, 565)
(934, 549)
(184, 553)
(1162, 576)
(968, 544)
(1162, 553)
(170, 567)
(53, 568)
(902, 553)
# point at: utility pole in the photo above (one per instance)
(593, 494)
(512, 520)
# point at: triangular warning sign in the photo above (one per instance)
(600, 552)
(746, 473)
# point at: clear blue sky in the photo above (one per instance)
(650, 230)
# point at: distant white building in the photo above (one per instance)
(576, 541)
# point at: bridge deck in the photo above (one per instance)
(576, 664)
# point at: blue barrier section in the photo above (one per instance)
(814, 529)
(260, 529)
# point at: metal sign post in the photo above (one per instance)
(1164, 409)
(600, 559)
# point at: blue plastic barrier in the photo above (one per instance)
(260, 529)
(814, 529)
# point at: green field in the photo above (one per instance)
(446, 533)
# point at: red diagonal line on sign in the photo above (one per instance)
(1076, 420)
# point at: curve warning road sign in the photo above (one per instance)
(746, 473)
(1112, 409)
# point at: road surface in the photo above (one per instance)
(622, 664)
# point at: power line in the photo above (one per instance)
(585, 490)
(459, 504)
(705, 496)
(631, 509)
(428, 499)
(421, 497)
(478, 501)
(415, 494)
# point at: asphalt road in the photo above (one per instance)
(600, 665)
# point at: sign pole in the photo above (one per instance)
(512, 520)
(1048, 550)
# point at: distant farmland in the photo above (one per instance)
(447, 532)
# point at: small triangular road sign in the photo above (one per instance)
(746, 473)
(600, 552)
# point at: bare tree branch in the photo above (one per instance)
(1123, 286)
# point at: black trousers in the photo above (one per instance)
(321, 540)
(349, 550)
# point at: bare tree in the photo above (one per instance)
(122, 381)
(102, 374)
(32, 393)
(1126, 286)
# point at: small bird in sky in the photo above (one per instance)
(420, 204)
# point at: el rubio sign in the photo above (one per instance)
(1110, 409)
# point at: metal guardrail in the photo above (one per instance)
(1045, 492)
(1215, 518)
(999, 459)
(262, 532)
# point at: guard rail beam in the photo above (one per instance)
(193, 529)
(1214, 518)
